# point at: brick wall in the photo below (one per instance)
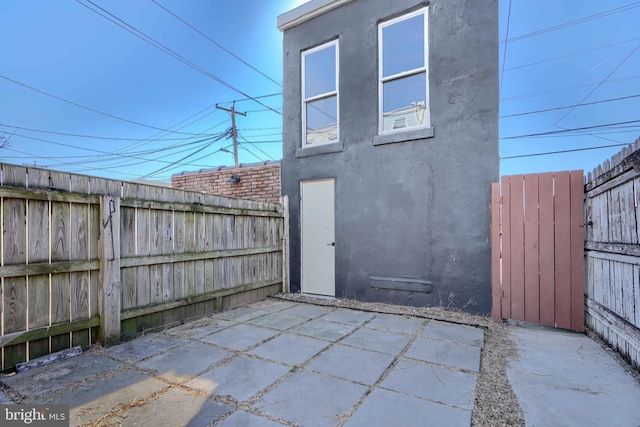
(258, 181)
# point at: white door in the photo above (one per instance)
(318, 237)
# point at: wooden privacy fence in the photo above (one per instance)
(538, 249)
(613, 253)
(84, 258)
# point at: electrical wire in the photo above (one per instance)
(182, 159)
(506, 43)
(137, 156)
(575, 22)
(556, 132)
(251, 152)
(569, 106)
(561, 151)
(89, 108)
(256, 147)
(557, 58)
(141, 35)
(75, 135)
(598, 85)
(215, 43)
(566, 88)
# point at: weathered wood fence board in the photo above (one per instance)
(612, 213)
(538, 249)
(83, 258)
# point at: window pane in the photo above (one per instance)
(404, 102)
(320, 72)
(322, 123)
(403, 46)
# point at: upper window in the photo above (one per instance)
(320, 95)
(403, 73)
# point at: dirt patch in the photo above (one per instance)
(495, 401)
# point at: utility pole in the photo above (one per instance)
(234, 131)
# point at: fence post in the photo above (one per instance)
(109, 290)
(285, 244)
(496, 288)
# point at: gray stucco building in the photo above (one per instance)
(390, 146)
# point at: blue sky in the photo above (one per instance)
(67, 50)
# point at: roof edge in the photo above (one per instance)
(229, 168)
(307, 11)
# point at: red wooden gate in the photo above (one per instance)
(537, 238)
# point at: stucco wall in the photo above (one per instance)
(416, 209)
(258, 181)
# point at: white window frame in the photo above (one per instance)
(407, 73)
(335, 93)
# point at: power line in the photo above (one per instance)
(565, 89)
(598, 85)
(271, 95)
(504, 54)
(182, 159)
(215, 42)
(275, 141)
(271, 128)
(132, 155)
(556, 132)
(91, 109)
(252, 153)
(149, 138)
(571, 54)
(131, 29)
(569, 106)
(257, 148)
(575, 22)
(75, 135)
(561, 151)
(264, 110)
(265, 134)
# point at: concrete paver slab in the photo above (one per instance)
(308, 311)
(458, 333)
(311, 400)
(43, 379)
(245, 419)
(181, 363)
(350, 317)
(432, 382)
(273, 305)
(280, 321)
(4, 398)
(353, 364)
(566, 379)
(290, 349)
(200, 328)
(323, 329)
(385, 342)
(445, 353)
(241, 314)
(240, 378)
(311, 374)
(174, 408)
(95, 399)
(383, 408)
(394, 323)
(144, 347)
(240, 337)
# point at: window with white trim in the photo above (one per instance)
(403, 73)
(320, 95)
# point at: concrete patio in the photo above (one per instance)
(272, 363)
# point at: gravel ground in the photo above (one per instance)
(495, 403)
